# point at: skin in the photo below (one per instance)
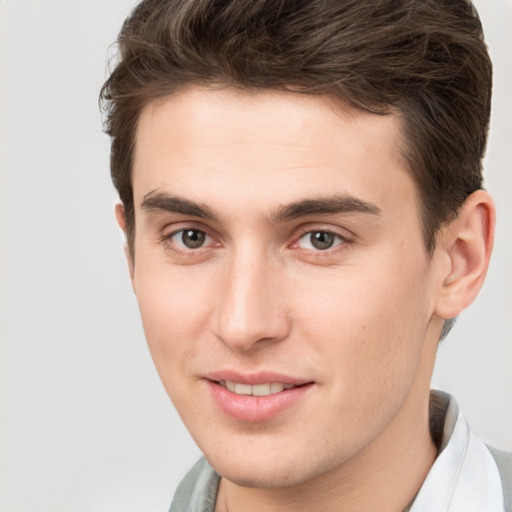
(360, 320)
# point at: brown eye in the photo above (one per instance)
(190, 238)
(320, 240)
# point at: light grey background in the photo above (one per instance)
(84, 422)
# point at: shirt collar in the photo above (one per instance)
(464, 476)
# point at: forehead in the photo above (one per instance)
(265, 148)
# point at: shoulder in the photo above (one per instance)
(504, 462)
(197, 492)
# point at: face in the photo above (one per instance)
(282, 278)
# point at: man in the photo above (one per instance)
(302, 199)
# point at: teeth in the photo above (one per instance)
(261, 389)
(276, 387)
(257, 389)
(242, 389)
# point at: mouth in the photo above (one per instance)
(257, 399)
(265, 389)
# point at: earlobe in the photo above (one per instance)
(121, 221)
(467, 242)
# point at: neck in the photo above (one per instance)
(384, 476)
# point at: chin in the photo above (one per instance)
(260, 478)
(268, 472)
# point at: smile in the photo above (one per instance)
(257, 401)
(256, 389)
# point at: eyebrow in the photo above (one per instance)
(160, 202)
(337, 204)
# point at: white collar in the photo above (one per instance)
(464, 477)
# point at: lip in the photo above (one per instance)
(253, 379)
(248, 408)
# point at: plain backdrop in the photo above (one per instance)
(85, 425)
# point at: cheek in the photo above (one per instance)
(365, 334)
(174, 310)
(370, 323)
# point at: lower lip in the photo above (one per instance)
(255, 408)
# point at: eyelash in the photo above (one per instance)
(343, 241)
(174, 248)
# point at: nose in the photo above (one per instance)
(250, 307)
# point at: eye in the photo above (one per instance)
(319, 240)
(190, 238)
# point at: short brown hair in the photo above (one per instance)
(424, 60)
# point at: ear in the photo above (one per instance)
(121, 221)
(466, 243)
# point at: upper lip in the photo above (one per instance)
(260, 377)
